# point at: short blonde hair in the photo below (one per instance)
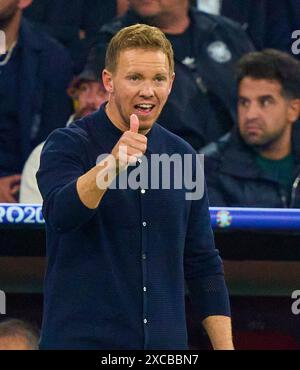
(138, 36)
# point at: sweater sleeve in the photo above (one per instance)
(203, 267)
(60, 166)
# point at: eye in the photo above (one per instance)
(265, 102)
(160, 78)
(134, 78)
(83, 88)
(243, 102)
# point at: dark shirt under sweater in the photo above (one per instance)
(115, 275)
(10, 156)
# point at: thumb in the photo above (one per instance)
(134, 123)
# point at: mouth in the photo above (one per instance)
(144, 109)
(252, 127)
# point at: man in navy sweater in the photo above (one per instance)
(201, 107)
(118, 255)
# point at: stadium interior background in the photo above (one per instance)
(262, 271)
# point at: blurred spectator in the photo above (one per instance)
(258, 164)
(87, 94)
(269, 24)
(18, 335)
(74, 23)
(35, 73)
(201, 107)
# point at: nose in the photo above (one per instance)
(90, 98)
(252, 111)
(147, 90)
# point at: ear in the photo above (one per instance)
(294, 110)
(108, 81)
(171, 82)
(24, 4)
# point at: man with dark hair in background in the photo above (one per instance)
(201, 107)
(88, 93)
(34, 75)
(258, 163)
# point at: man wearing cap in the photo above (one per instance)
(87, 93)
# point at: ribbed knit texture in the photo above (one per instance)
(99, 261)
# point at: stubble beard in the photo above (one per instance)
(263, 143)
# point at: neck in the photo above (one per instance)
(277, 150)
(11, 30)
(169, 25)
(173, 23)
(116, 119)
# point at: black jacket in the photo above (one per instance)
(201, 106)
(45, 73)
(64, 19)
(235, 180)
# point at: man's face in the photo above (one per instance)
(90, 95)
(140, 85)
(264, 115)
(154, 8)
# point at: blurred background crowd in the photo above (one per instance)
(51, 75)
(236, 96)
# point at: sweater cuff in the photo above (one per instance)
(209, 296)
